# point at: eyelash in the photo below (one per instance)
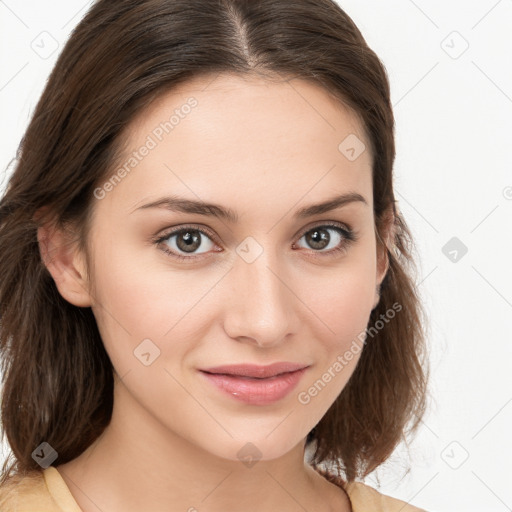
(349, 235)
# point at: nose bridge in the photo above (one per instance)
(261, 305)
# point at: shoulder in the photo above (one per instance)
(365, 498)
(26, 493)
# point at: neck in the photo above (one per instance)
(139, 464)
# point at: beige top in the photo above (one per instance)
(46, 491)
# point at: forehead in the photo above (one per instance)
(237, 104)
(217, 134)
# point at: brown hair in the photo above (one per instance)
(57, 376)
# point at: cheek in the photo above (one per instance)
(137, 287)
(346, 297)
(344, 309)
(139, 297)
(346, 306)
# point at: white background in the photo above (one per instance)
(453, 109)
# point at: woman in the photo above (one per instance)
(206, 300)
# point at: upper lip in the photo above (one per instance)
(252, 370)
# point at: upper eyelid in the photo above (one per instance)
(181, 228)
(201, 227)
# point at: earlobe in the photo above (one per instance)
(60, 255)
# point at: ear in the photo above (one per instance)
(60, 254)
(383, 243)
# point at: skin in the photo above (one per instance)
(264, 150)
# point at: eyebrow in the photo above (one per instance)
(180, 204)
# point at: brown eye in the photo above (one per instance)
(188, 240)
(318, 238)
(328, 238)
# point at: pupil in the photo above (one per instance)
(318, 237)
(188, 242)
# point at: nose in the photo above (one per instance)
(260, 308)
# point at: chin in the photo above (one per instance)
(249, 450)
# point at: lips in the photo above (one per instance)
(255, 385)
(255, 371)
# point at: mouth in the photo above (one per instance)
(256, 385)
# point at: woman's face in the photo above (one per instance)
(262, 285)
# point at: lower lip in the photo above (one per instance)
(257, 391)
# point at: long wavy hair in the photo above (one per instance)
(57, 382)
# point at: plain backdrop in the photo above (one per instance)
(450, 69)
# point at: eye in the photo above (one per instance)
(183, 243)
(321, 239)
(186, 240)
